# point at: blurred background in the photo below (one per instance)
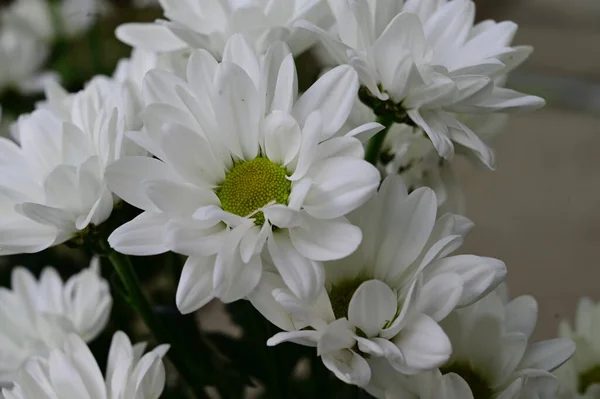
(540, 212)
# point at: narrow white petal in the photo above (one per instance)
(372, 306)
(141, 236)
(195, 287)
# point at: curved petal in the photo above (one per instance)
(325, 240)
(195, 288)
(372, 306)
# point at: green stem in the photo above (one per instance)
(376, 142)
(187, 369)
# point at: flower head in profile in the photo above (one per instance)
(208, 24)
(580, 376)
(243, 166)
(71, 372)
(491, 356)
(52, 182)
(424, 61)
(385, 300)
(37, 315)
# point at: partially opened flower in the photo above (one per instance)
(243, 165)
(52, 184)
(580, 377)
(71, 372)
(37, 315)
(491, 356)
(386, 299)
(208, 24)
(424, 62)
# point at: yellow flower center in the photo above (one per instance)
(250, 185)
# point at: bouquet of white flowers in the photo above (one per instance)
(320, 208)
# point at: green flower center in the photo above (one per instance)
(479, 386)
(588, 378)
(250, 185)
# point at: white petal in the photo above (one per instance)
(424, 345)
(372, 306)
(125, 176)
(340, 185)
(238, 51)
(286, 88)
(178, 198)
(547, 355)
(333, 94)
(337, 335)
(195, 287)
(480, 275)
(325, 240)
(151, 37)
(349, 367)
(262, 299)
(238, 105)
(141, 236)
(521, 315)
(440, 295)
(303, 276)
(282, 137)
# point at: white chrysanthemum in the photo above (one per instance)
(52, 185)
(242, 165)
(384, 300)
(408, 152)
(37, 315)
(50, 20)
(580, 377)
(22, 55)
(491, 356)
(424, 62)
(208, 24)
(72, 373)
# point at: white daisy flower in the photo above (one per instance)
(72, 373)
(384, 300)
(424, 62)
(491, 356)
(37, 315)
(208, 24)
(580, 377)
(52, 184)
(243, 165)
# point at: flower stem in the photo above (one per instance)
(187, 369)
(376, 142)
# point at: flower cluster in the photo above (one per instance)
(334, 212)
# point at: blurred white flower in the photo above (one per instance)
(52, 185)
(72, 373)
(243, 165)
(423, 62)
(208, 24)
(37, 315)
(49, 20)
(22, 56)
(580, 377)
(385, 300)
(491, 357)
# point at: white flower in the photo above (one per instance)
(243, 165)
(208, 24)
(22, 55)
(52, 185)
(37, 315)
(424, 62)
(580, 376)
(38, 16)
(72, 373)
(384, 300)
(491, 356)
